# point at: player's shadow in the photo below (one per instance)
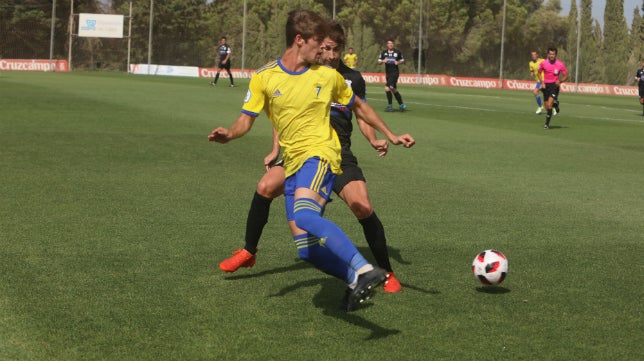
(394, 254)
(329, 300)
(298, 265)
(493, 290)
(557, 127)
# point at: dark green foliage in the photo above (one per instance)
(616, 49)
(591, 67)
(458, 37)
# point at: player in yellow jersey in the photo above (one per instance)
(535, 60)
(351, 59)
(296, 94)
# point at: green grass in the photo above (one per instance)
(115, 210)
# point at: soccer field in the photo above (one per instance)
(115, 211)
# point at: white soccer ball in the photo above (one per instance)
(490, 267)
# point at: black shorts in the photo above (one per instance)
(551, 90)
(641, 91)
(392, 79)
(350, 172)
(224, 66)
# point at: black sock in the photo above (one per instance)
(398, 98)
(389, 98)
(374, 232)
(216, 77)
(257, 219)
(548, 116)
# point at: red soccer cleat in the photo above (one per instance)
(391, 283)
(240, 258)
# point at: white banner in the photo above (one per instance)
(100, 25)
(167, 70)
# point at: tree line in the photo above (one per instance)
(458, 37)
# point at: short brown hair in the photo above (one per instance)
(305, 23)
(336, 33)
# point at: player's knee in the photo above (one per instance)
(269, 188)
(641, 100)
(361, 209)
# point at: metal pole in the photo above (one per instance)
(150, 35)
(502, 44)
(420, 38)
(243, 64)
(53, 27)
(578, 49)
(70, 30)
(129, 39)
(333, 9)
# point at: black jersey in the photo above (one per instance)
(389, 56)
(224, 50)
(341, 115)
(640, 75)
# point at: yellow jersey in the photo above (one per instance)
(351, 60)
(534, 69)
(299, 106)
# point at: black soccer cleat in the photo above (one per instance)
(367, 283)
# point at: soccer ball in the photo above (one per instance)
(490, 267)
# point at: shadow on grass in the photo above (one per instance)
(330, 296)
(394, 254)
(557, 127)
(298, 265)
(329, 300)
(493, 290)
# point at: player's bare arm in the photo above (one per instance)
(366, 112)
(380, 145)
(241, 126)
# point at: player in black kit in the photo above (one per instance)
(224, 52)
(350, 185)
(391, 57)
(639, 76)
